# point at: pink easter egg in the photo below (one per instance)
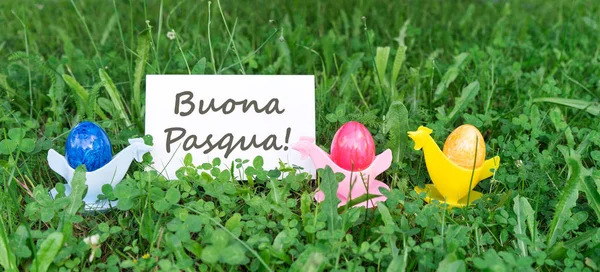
(353, 147)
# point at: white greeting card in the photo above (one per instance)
(229, 117)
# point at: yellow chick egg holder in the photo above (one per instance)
(452, 184)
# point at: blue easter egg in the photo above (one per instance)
(88, 144)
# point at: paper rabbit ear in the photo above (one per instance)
(139, 153)
(136, 140)
(59, 164)
(307, 138)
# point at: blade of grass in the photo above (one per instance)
(89, 33)
(250, 55)
(80, 92)
(143, 48)
(123, 42)
(114, 96)
(10, 92)
(492, 88)
(357, 200)
(369, 47)
(212, 53)
(382, 55)
(351, 66)
(158, 36)
(450, 75)
(396, 124)
(232, 41)
(360, 94)
(78, 188)
(7, 258)
(183, 55)
(597, 95)
(329, 185)
(199, 67)
(559, 250)
(398, 61)
(567, 198)
(468, 94)
(591, 107)
(524, 213)
(28, 64)
(109, 27)
(590, 186)
(229, 45)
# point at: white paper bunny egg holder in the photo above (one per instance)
(112, 173)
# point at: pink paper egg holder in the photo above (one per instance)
(355, 183)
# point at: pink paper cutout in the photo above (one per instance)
(362, 180)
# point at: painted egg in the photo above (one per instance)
(464, 145)
(352, 147)
(88, 144)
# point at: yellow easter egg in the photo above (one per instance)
(464, 145)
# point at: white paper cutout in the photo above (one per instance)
(111, 173)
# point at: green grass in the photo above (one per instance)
(526, 73)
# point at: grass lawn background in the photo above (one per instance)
(526, 73)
